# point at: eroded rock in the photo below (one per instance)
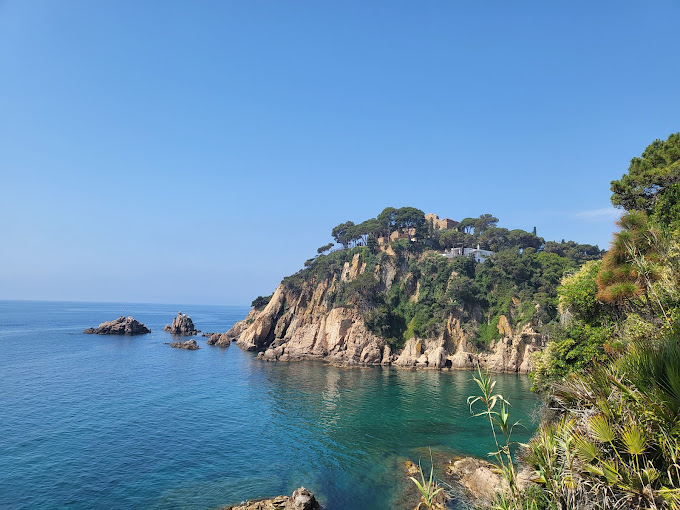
(301, 499)
(219, 339)
(182, 325)
(300, 322)
(119, 326)
(481, 479)
(411, 468)
(189, 345)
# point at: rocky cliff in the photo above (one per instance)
(304, 321)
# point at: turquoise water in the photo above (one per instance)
(127, 422)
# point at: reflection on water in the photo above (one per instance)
(354, 427)
(91, 421)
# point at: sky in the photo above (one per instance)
(196, 152)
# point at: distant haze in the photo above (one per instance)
(197, 152)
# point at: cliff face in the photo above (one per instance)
(298, 323)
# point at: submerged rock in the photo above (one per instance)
(189, 345)
(182, 325)
(411, 468)
(481, 479)
(120, 326)
(301, 499)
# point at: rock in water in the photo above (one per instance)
(189, 345)
(219, 339)
(181, 325)
(302, 499)
(481, 479)
(120, 326)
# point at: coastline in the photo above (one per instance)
(282, 331)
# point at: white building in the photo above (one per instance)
(476, 253)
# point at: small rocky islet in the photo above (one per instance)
(120, 326)
(182, 325)
(189, 345)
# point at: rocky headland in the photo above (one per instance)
(410, 290)
(299, 323)
(119, 326)
(182, 325)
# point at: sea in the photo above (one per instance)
(90, 421)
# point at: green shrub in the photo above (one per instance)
(576, 348)
(487, 333)
(261, 301)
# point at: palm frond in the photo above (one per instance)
(601, 428)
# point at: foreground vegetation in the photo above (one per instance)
(610, 436)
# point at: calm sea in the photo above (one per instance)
(91, 421)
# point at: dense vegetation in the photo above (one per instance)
(518, 281)
(631, 295)
(611, 374)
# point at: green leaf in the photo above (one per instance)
(601, 428)
(585, 450)
(634, 439)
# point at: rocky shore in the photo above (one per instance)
(297, 324)
(480, 479)
(468, 479)
(471, 480)
(119, 326)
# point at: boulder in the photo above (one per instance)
(181, 325)
(120, 326)
(411, 353)
(189, 345)
(387, 355)
(481, 479)
(437, 358)
(414, 471)
(301, 499)
(411, 468)
(220, 339)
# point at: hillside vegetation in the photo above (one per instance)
(407, 288)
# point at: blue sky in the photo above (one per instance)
(197, 152)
